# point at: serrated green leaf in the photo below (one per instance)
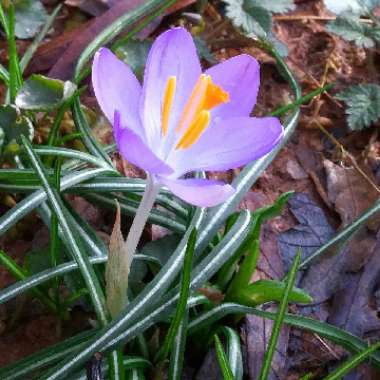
(254, 21)
(352, 6)
(42, 93)
(275, 6)
(351, 28)
(363, 105)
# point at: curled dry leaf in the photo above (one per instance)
(117, 269)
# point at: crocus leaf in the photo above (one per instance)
(30, 16)
(363, 105)
(42, 93)
(263, 291)
(2, 136)
(13, 125)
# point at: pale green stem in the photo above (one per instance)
(151, 191)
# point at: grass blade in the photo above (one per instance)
(20, 274)
(178, 351)
(346, 367)
(38, 39)
(223, 360)
(348, 341)
(267, 361)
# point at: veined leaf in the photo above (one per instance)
(254, 20)
(276, 6)
(351, 28)
(363, 105)
(352, 6)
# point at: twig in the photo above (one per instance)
(312, 17)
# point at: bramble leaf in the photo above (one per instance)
(363, 105)
(275, 6)
(351, 28)
(352, 6)
(254, 20)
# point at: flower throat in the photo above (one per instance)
(195, 117)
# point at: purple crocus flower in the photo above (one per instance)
(182, 120)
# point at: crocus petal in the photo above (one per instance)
(172, 54)
(133, 149)
(199, 192)
(117, 88)
(229, 144)
(240, 77)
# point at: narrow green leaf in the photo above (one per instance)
(222, 360)
(234, 354)
(81, 259)
(182, 302)
(344, 235)
(32, 48)
(89, 140)
(20, 274)
(243, 277)
(29, 203)
(304, 99)
(344, 339)
(62, 269)
(15, 77)
(353, 362)
(116, 27)
(177, 354)
(268, 356)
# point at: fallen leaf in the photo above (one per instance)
(256, 332)
(348, 191)
(354, 307)
(312, 231)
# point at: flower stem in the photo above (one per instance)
(151, 191)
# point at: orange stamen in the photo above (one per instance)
(205, 96)
(195, 130)
(168, 103)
